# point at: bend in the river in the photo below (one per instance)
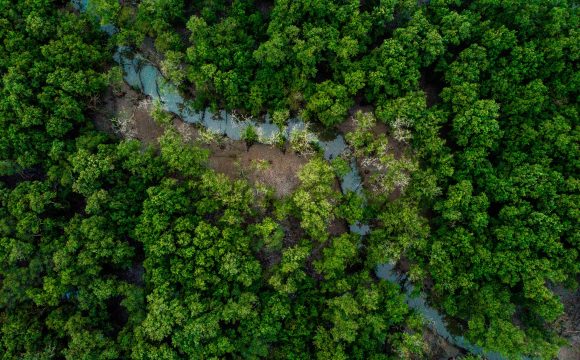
(145, 76)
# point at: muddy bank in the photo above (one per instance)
(569, 324)
(260, 164)
(438, 348)
(127, 114)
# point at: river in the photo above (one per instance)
(142, 74)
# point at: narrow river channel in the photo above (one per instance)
(142, 74)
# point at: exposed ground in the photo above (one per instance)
(259, 163)
(126, 114)
(438, 348)
(148, 50)
(569, 324)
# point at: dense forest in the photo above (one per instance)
(463, 117)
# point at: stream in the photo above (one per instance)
(142, 74)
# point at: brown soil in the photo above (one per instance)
(293, 233)
(103, 110)
(147, 130)
(438, 347)
(135, 108)
(259, 164)
(150, 53)
(569, 324)
(337, 227)
(263, 164)
(571, 352)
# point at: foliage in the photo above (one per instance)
(250, 135)
(114, 250)
(49, 66)
(500, 187)
(109, 249)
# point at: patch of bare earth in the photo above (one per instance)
(438, 347)
(569, 324)
(262, 164)
(259, 163)
(337, 227)
(127, 114)
(293, 232)
(148, 50)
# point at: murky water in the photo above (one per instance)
(144, 76)
(141, 74)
